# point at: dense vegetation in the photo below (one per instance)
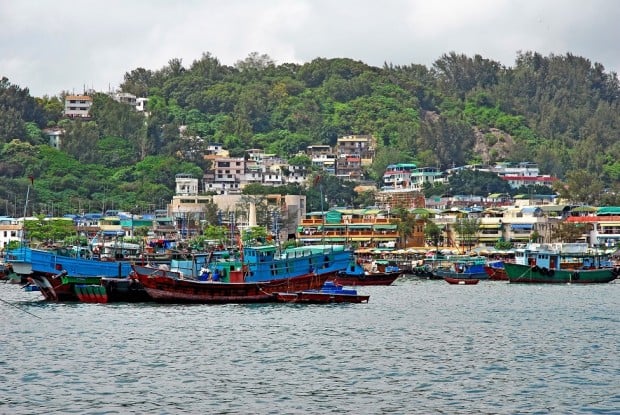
(560, 111)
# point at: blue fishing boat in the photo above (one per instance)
(463, 267)
(78, 263)
(263, 262)
(253, 277)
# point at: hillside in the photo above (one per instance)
(560, 111)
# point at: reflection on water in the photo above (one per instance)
(416, 347)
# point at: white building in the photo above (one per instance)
(78, 106)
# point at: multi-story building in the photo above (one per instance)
(366, 227)
(362, 146)
(398, 176)
(78, 106)
(225, 175)
(10, 230)
(349, 167)
(425, 176)
(522, 174)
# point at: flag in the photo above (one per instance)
(317, 179)
(31, 177)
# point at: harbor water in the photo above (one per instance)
(418, 346)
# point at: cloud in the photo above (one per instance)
(50, 46)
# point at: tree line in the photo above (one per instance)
(559, 111)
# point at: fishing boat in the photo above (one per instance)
(60, 287)
(463, 267)
(113, 290)
(380, 273)
(77, 262)
(461, 281)
(263, 262)
(328, 293)
(495, 270)
(259, 272)
(171, 287)
(559, 263)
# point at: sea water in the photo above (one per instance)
(418, 346)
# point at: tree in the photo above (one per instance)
(432, 232)
(405, 224)
(467, 229)
(216, 233)
(567, 232)
(42, 229)
(580, 186)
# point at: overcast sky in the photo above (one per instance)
(53, 45)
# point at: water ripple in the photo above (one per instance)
(416, 347)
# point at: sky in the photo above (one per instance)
(50, 46)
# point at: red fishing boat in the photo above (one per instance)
(496, 271)
(169, 286)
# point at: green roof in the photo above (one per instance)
(584, 209)
(552, 208)
(608, 210)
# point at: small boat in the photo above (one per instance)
(329, 293)
(461, 281)
(381, 273)
(30, 287)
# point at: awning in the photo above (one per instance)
(359, 226)
(385, 227)
(521, 226)
(490, 226)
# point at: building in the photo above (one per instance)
(522, 174)
(53, 136)
(10, 230)
(363, 227)
(362, 146)
(78, 106)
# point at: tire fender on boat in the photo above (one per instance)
(576, 276)
(535, 268)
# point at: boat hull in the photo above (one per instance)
(165, 286)
(461, 281)
(60, 287)
(317, 297)
(496, 273)
(376, 278)
(519, 273)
